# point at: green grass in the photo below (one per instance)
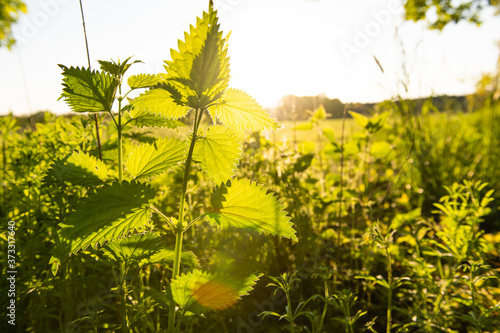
(287, 132)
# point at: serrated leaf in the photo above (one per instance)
(133, 248)
(105, 215)
(88, 91)
(244, 205)
(79, 168)
(143, 80)
(116, 68)
(167, 255)
(142, 119)
(237, 110)
(109, 67)
(150, 160)
(199, 291)
(145, 249)
(218, 152)
(198, 73)
(160, 102)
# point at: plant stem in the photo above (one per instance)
(389, 292)
(98, 138)
(340, 196)
(123, 297)
(179, 229)
(120, 148)
(289, 310)
(327, 296)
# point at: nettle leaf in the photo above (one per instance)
(244, 205)
(160, 102)
(79, 168)
(198, 73)
(105, 215)
(218, 152)
(237, 110)
(198, 291)
(145, 249)
(167, 256)
(140, 118)
(116, 68)
(143, 80)
(88, 91)
(150, 160)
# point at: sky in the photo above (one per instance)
(276, 48)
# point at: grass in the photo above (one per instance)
(284, 134)
(287, 133)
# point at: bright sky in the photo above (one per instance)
(277, 47)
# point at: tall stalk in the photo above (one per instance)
(179, 228)
(341, 189)
(120, 139)
(389, 291)
(123, 298)
(98, 138)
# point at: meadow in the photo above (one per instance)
(398, 231)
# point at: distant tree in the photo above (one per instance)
(9, 13)
(438, 13)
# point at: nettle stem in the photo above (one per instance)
(179, 228)
(389, 291)
(123, 298)
(120, 139)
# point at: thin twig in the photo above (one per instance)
(88, 59)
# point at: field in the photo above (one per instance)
(189, 208)
(399, 231)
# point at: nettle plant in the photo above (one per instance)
(118, 212)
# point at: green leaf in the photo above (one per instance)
(134, 248)
(167, 255)
(105, 215)
(218, 152)
(161, 103)
(239, 111)
(380, 149)
(198, 73)
(79, 168)
(145, 249)
(303, 162)
(320, 113)
(329, 134)
(361, 120)
(116, 68)
(150, 160)
(244, 205)
(88, 91)
(143, 119)
(143, 80)
(199, 291)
